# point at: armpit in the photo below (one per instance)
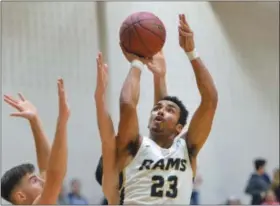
(134, 146)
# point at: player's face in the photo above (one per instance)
(164, 117)
(262, 169)
(30, 188)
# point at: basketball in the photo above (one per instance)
(143, 34)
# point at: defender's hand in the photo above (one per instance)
(130, 57)
(102, 76)
(158, 65)
(186, 39)
(24, 107)
(64, 110)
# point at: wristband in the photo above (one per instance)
(137, 64)
(192, 55)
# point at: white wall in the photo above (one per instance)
(237, 41)
(239, 44)
(42, 41)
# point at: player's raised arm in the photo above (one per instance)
(25, 109)
(201, 123)
(128, 131)
(57, 166)
(104, 121)
(109, 170)
(158, 68)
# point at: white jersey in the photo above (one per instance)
(157, 175)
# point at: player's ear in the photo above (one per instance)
(19, 197)
(179, 128)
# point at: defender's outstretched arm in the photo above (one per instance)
(110, 172)
(28, 111)
(57, 166)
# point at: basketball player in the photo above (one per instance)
(20, 185)
(111, 178)
(159, 169)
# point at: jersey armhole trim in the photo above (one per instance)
(190, 155)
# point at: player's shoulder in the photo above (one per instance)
(180, 141)
(148, 142)
(146, 145)
(181, 137)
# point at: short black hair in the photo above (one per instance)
(258, 163)
(12, 178)
(183, 111)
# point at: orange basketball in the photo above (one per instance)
(143, 34)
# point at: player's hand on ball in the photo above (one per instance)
(186, 39)
(158, 65)
(102, 76)
(64, 110)
(130, 57)
(24, 107)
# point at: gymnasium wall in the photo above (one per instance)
(237, 41)
(42, 41)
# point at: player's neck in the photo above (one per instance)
(163, 141)
(260, 173)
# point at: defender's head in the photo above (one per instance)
(168, 117)
(20, 185)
